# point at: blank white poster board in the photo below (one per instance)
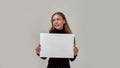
(56, 45)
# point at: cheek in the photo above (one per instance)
(53, 23)
(61, 23)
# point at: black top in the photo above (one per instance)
(59, 62)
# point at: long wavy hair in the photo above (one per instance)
(65, 26)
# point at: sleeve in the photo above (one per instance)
(43, 58)
(72, 59)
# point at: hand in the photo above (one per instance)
(75, 50)
(37, 49)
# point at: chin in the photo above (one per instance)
(58, 28)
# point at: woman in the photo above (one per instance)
(59, 25)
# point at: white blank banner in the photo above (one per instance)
(56, 45)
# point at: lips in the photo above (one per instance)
(56, 25)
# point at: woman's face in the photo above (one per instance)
(58, 22)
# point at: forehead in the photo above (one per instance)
(57, 16)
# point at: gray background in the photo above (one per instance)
(94, 22)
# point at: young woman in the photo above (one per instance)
(59, 25)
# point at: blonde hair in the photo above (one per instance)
(65, 27)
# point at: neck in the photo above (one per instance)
(58, 31)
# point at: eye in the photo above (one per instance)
(53, 20)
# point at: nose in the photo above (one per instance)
(55, 22)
